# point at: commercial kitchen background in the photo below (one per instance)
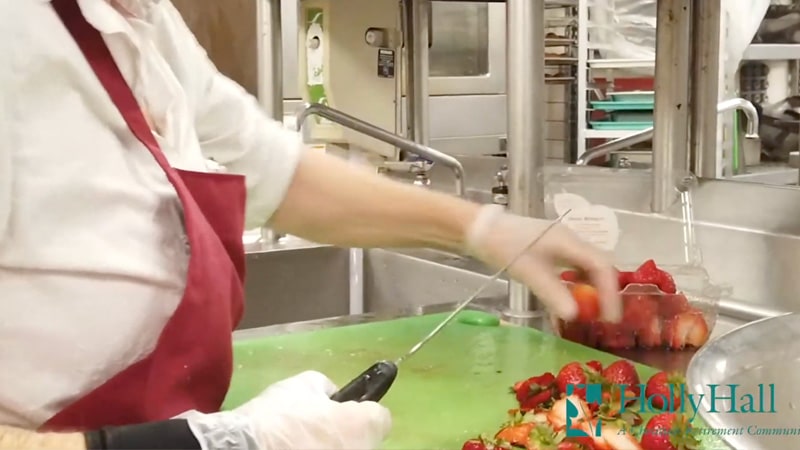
(747, 216)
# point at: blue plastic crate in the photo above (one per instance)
(621, 126)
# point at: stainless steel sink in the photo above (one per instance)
(297, 281)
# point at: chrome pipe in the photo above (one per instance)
(380, 134)
(740, 104)
(417, 43)
(270, 57)
(526, 117)
(705, 74)
(671, 113)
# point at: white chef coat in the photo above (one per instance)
(92, 255)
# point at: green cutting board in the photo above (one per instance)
(455, 388)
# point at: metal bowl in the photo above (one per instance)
(760, 362)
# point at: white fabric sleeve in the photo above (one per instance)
(232, 128)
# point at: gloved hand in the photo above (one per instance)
(496, 237)
(295, 413)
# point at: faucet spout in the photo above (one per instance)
(368, 129)
(751, 132)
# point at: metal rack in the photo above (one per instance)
(561, 64)
(590, 65)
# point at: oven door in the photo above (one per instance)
(468, 51)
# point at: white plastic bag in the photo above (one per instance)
(626, 29)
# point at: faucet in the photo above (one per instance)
(366, 128)
(645, 135)
(271, 236)
(500, 188)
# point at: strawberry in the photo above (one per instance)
(576, 373)
(588, 301)
(571, 276)
(557, 416)
(516, 434)
(615, 437)
(670, 306)
(535, 391)
(640, 312)
(597, 366)
(669, 431)
(611, 410)
(474, 444)
(663, 390)
(616, 336)
(574, 331)
(624, 278)
(622, 372)
(572, 443)
(666, 283)
(647, 273)
(688, 329)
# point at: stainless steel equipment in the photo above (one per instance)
(756, 365)
(385, 136)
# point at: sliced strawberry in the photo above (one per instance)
(616, 336)
(516, 434)
(638, 308)
(663, 390)
(670, 306)
(557, 416)
(588, 302)
(688, 329)
(535, 391)
(641, 313)
(649, 334)
(669, 431)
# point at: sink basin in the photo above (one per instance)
(294, 282)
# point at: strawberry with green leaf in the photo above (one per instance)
(663, 390)
(669, 431)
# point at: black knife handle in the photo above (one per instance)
(370, 386)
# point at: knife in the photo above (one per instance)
(375, 382)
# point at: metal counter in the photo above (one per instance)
(663, 360)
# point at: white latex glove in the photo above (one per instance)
(295, 413)
(496, 238)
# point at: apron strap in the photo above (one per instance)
(97, 54)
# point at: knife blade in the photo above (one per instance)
(374, 383)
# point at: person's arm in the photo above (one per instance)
(16, 438)
(332, 201)
(328, 200)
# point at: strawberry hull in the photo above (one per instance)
(657, 314)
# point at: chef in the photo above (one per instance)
(129, 168)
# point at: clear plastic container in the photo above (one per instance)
(611, 209)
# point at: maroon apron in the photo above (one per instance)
(191, 365)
